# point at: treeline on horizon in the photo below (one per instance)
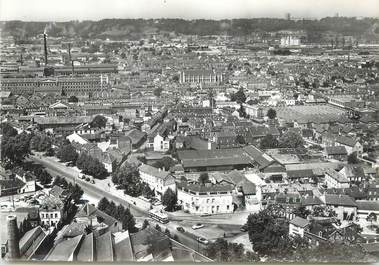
(233, 27)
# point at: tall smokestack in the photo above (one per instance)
(45, 46)
(69, 52)
(13, 240)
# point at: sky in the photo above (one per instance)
(64, 10)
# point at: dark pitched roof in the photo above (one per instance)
(301, 222)
(104, 248)
(342, 200)
(335, 150)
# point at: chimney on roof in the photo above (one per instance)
(13, 240)
(45, 46)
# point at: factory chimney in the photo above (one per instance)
(72, 67)
(13, 240)
(45, 46)
(69, 52)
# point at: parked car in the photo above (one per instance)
(197, 226)
(180, 229)
(203, 240)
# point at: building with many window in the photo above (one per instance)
(158, 180)
(206, 199)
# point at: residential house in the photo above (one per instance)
(158, 180)
(336, 152)
(352, 145)
(334, 179)
(354, 173)
(344, 206)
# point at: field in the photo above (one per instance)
(320, 113)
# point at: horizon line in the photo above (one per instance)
(188, 19)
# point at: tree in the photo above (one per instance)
(73, 99)
(99, 122)
(76, 193)
(240, 139)
(291, 139)
(167, 232)
(268, 232)
(158, 91)
(103, 204)
(352, 158)
(40, 143)
(128, 178)
(145, 224)
(157, 227)
(67, 153)
(147, 192)
(44, 178)
(224, 251)
(239, 96)
(14, 149)
(302, 212)
(371, 218)
(7, 130)
(269, 141)
(271, 114)
(169, 199)
(165, 163)
(203, 178)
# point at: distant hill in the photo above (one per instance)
(134, 28)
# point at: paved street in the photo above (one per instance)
(92, 190)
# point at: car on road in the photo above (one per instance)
(203, 240)
(197, 226)
(180, 229)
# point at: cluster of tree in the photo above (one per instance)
(352, 158)
(67, 153)
(91, 166)
(98, 122)
(289, 139)
(128, 179)
(169, 199)
(40, 143)
(75, 190)
(7, 130)
(42, 176)
(303, 252)
(268, 232)
(164, 163)
(271, 114)
(119, 212)
(14, 147)
(239, 96)
(224, 251)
